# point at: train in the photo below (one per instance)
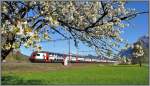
(51, 57)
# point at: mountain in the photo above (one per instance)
(145, 44)
(126, 52)
(145, 41)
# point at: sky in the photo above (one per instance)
(138, 27)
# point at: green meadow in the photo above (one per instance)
(91, 74)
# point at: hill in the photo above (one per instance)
(17, 56)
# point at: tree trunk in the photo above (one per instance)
(8, 38)
(134, 60)
(140, 62)
(4, 53)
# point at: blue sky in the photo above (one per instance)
(138, 27)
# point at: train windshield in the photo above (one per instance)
(37, 54)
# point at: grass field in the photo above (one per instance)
(91, 74)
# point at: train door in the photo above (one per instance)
(45, 57)
(76, 59)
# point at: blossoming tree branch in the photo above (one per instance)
(96, 23)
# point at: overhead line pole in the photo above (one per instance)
(69, 52)
(69, 48)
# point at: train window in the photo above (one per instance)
(37, 54)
